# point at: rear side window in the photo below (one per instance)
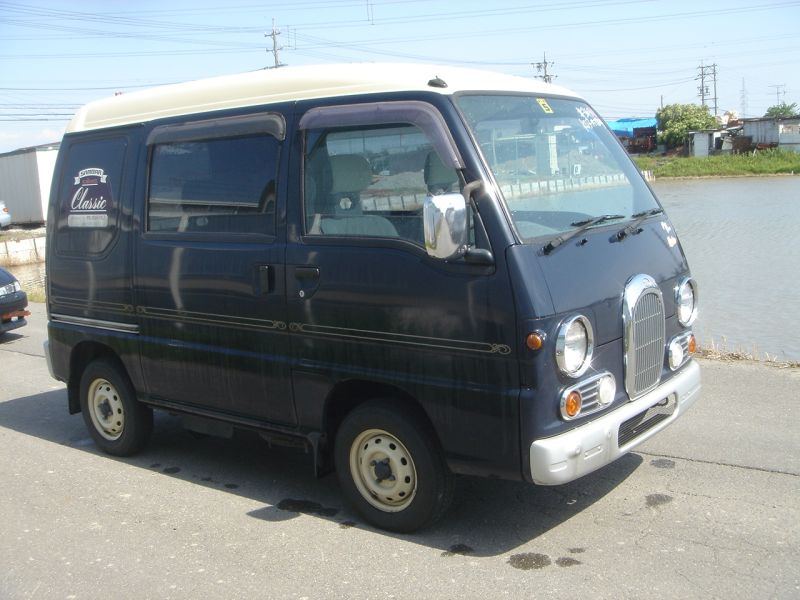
(90, 196)
(220, 185)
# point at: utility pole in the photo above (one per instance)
(780, 90)
(744, 99)
(707, 71)
(275, 48)
(541, 67)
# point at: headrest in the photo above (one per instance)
(438, 177)
(351, 173)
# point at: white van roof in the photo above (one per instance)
(289, 84)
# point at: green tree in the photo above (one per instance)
(782, 110)
(676, 120)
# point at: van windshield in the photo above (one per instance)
(556, 163)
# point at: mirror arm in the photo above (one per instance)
(471, 188)
(475, 256)
(479, 256)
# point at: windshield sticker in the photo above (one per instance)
(545, 106)
(588, 119)
(90, 201)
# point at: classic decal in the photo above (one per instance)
(89, 203)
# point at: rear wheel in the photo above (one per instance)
(119, 424)
(390, 467)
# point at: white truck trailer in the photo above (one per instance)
(25, 176)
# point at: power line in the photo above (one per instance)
(81, 89)
(5, 114)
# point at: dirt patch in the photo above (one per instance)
(15, 234)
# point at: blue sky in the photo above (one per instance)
(622, 55)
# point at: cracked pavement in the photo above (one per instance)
(710, 508)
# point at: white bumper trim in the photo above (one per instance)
(573, 454)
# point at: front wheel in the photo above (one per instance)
(390, 467)
(117, 421)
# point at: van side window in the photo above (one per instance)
(222, 185)
(90, 196)
(371, 181)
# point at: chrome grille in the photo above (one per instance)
(643, 314)
(643, 422)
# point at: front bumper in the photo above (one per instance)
(573, 454)
(12, 311)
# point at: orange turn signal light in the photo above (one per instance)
(534, 341)
(572, 405)
(15, 314)
(692, 345)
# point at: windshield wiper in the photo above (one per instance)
(633, 228)
(581, 227)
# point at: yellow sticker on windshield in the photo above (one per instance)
(545, 106)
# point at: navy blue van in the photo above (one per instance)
(413, 271)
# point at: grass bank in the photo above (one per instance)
(716, 351)
(765, 162)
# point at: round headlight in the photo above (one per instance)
(574, 346)
(686, 301)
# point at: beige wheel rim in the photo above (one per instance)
(383, 470)
(106, 410)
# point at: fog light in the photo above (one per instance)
(676, 354)
(572, 404)
(606, 390)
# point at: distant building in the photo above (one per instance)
(767, 132)
(637, 135)
(705, 142)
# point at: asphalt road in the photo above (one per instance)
(708, 509)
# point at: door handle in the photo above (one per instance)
(307, 281)
(306, 272)
(264, 279)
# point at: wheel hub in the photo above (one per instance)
(105, 409)
(383, 470)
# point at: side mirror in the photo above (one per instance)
(445, 224)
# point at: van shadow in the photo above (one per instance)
(488, 517)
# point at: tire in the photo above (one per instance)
(391, 468)
(119, 424)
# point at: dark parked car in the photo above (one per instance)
(13, 302)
